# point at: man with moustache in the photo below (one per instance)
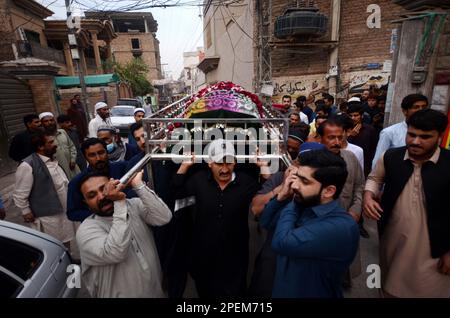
(41, 190)
(332, 136)
(315, 239)
(219, 247)
(117, 249)
(413, 215)
(95, 153)
(102, 118)
(66, 152)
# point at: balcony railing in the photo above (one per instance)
(47, 53)
(33, 49)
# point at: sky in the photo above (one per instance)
(180, 30)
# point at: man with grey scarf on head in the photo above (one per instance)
(117, 150)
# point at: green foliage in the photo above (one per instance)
(134, 74)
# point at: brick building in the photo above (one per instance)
(136, 37)
(354, 51)
(33, 53)
(354, 45)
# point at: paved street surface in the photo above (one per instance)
(368, 247)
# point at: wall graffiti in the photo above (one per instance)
(352, 83)
(296, 86)
(357, 82)
(290, 89)
(363, 81)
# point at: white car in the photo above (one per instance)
(33, 264)
(122, 117)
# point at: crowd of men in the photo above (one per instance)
(135, 241)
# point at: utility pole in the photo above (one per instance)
(264, 68)
(75, 53)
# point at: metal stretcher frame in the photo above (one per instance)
(158, 132)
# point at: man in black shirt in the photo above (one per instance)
(219, 247)
(21, 143)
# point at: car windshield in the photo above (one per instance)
(122, 111)
(131, 102)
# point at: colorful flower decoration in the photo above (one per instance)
(224, 96)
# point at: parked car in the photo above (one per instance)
(32, 264)
(122, 117)
(129, 101)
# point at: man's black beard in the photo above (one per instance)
(103, 170)
(426, 155)
(308, 202)
(50, 155)
(101, 204)
(51, 129)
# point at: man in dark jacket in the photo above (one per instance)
(219, 247)
(21, 143)
(78, 117)
(413, 217)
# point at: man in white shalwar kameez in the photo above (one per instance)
(41, 190)
(117, 249)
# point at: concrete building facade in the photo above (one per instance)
(136, 37)
(193, 77)
(228, 43)
(355, 51)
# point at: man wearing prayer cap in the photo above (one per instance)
(295, 139)
(139, 113)
(66, 152)
(101, 119)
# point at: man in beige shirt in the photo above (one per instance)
(413, 217)
(117, 248)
